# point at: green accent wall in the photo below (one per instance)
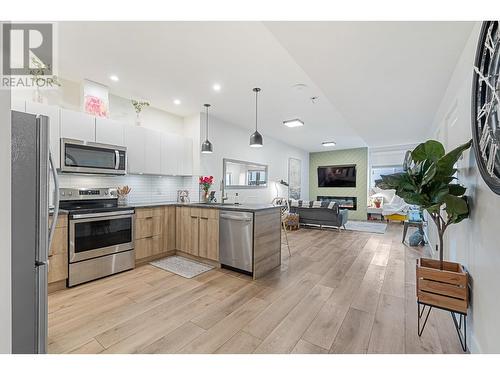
(358, 156)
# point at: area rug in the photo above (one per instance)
(366, 226)
(181, 266)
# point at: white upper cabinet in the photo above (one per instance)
(186, 161)
(152, 151)
(18, 105)
(52, 112)
(169, 142)
(108, 131)
(135, 139)
(176, 155)
(77, 125)
(148, 151)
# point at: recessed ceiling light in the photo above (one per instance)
(114, 78)
(177, 102)
(328, 144)
(299, 86)
(216, 87)
(293, 123)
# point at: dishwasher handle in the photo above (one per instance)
(236, 218)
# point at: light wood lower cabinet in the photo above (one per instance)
(209, 234)
(192, 230)
(169, 226)
(148, 232)
(147, 247)
(58, 252)
(198, 232)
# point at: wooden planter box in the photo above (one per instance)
(446, 288)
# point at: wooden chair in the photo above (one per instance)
(285, 211)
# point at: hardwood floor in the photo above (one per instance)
(347, 292)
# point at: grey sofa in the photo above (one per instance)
(332, 217)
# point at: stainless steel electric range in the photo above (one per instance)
(101, 234)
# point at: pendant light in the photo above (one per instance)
(256, 138)
(206, 146)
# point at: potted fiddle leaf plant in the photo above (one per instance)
(429, 181)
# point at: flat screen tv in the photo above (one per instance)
(337, 176)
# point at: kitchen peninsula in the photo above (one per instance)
(192, 230)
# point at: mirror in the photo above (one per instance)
(244, 175)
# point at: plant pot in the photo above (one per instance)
(445, 288)
(123, 200)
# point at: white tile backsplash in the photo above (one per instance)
(145, 188)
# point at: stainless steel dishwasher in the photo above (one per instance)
(236, 240)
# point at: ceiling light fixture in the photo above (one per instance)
(329, 144)
(206, 146)
(177, 102)
(114, 78)
(216, 87)
(293, 123)
(256, 138)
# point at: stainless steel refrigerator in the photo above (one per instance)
(31, 235)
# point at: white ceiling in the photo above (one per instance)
(378, 83)
(386, 78)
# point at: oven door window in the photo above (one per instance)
(92, 235)
(89, 157)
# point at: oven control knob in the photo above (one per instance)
(105, 193)
(70, 193)
(63, 193)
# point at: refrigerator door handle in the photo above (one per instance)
(56, 200)
(42, 127)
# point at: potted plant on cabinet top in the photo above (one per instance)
(428, 181)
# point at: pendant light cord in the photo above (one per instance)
(256, 101)
(207, 122)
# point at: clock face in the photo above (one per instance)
(486, 104)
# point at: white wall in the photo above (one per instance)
(145, 188)
(5, 223)
(232, 142)
(474, 242)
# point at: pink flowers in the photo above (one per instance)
(95, 106)
(206, 182)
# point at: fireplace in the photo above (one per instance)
(350, 203)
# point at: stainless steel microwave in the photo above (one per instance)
(90, 157)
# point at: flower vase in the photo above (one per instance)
(204, 196)
(37, 96)
(138, 119)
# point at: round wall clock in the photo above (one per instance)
(485, 104)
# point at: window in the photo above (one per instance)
(256, 178)
(379, 171)
(229, 178)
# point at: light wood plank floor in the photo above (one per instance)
(347, 292)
